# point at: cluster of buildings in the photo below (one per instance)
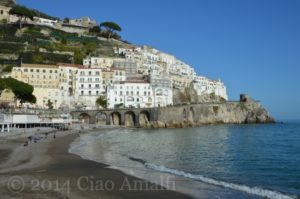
(80, 25)
(137, 77)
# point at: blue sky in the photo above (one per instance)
(252, 45)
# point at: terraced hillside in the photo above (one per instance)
(44, 45)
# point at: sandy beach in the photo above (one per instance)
(46, 170)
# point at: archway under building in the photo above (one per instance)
(144, 118)
(129, 119)
(84, 118)
(115, 118)
(101, 118)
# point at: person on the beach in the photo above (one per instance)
(54, 136)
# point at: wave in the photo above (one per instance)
(250, 190)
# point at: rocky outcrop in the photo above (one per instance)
(211, 113)
(189, 95)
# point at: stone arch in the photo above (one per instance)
(101, 118)
(129, 119)
(144, 118)
(191, 116)
(84, 118)
(115, 118)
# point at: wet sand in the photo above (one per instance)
(46, 170)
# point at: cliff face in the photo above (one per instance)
(189, 95)
(211, 113)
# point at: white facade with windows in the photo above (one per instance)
(130, 94)
(162, 91)
(88, 87)
(203, 85)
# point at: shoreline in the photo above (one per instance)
(46, 169)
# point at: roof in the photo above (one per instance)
(38, 66)
(71, 65)
(134, 82)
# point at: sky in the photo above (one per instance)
(252, 45)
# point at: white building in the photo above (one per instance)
(203, 85)
(162, 91)
(99, 62)
(44, 21)
(130, 94)
(88, 87)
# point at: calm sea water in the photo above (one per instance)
(259, 160)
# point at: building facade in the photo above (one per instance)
(136, 94)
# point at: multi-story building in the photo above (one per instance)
(162, 90)
(130, 94)
(203, 85)
(129, 66)
(88, 87)
(44, 78)
(99, 62)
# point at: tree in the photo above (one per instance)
(101, 101)
(22, 91)
(95, 30)
(111, 28)
(49, 104)
(66, 20)
(22, 12)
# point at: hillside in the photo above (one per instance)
(45, 45)
(7, 2)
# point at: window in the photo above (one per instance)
(90, 86)
(97, 73)
(121, 93)
(90, 92)
(82, 92)
(31, 70)
(25, 70)
(82, 86)
(90, 73)
(50, 71)
(97, 85)
(97, 92)
(44, 71)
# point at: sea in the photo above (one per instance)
(214, 161)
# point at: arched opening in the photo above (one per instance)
(184, 114)
(116, 118)
(191, 115)
(129, 119)
(84, 118)
(101, 118)
(144, 118)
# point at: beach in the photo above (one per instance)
(46, 170)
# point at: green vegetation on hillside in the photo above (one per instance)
(46, 45)
(22, 91)
(22, 12)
